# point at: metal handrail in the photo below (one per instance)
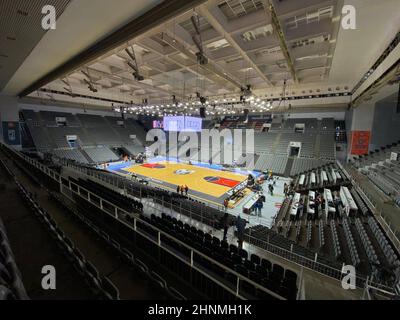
(300, 260)
(136, 218)
(290, 256)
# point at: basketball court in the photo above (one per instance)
(204, 182)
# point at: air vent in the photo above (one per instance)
(309, 17)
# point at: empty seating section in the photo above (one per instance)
(376, 156)
(40, 138)
(72, 154)
(59, 136)
(317, 143)
(107, 132)
(382, 183)
(137, 128)
(275, 163)
(361, 205)
(309, 232)
(101, 154)
(327, 125)
(11, 286)
(90, 131)
(384, 244)
(134, 149)
(321, 234)
(302, 165)
(103, 136)
(263, 142)
(271, 276)
(101, 286)
(335, 240)
(309, 124)
(261, 271)
(369, 249)
(49, 118)
(350, 243)
(383, 172)
(327, 146)
(92, 121)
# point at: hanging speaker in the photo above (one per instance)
(202, 112)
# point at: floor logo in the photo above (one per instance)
(153, 166)
(222, 181)
(183, 171)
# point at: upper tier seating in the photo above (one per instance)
(72, 154)
(276, 163)
(302, 165)
(101, 154)
(95, 133)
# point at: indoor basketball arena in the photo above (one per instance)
(221, 150)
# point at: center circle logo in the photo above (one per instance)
(183, 171)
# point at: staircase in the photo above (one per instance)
(277, 140)
(288, 167)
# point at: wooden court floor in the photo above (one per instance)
(204, 180)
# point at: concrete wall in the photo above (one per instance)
(386, 124)
(55, 108)
(8, 108)
(340, 115)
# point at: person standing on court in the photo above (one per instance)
(259, 207)
(285, 189)
(186, 189)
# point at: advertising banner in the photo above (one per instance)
(360, 142)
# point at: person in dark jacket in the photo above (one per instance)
(241, 227)
(225, 224)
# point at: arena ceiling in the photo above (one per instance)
(281, 48)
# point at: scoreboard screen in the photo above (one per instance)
(182, 124)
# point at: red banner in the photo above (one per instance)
(360, 142)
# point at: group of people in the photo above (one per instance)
(319, 204)
(240, 227)
(288, 189)
(183, 189)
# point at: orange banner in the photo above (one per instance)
(360, 142)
